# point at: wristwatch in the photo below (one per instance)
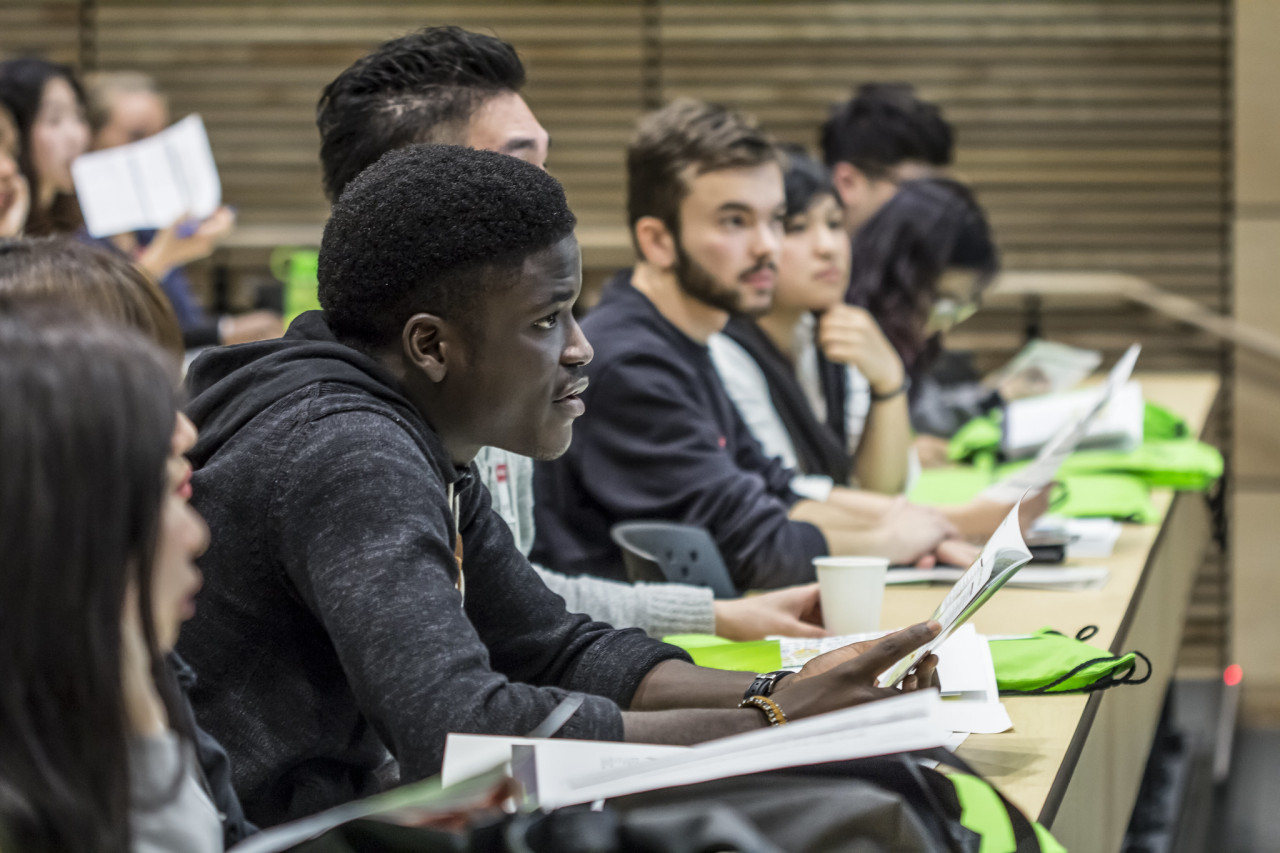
(764, 685)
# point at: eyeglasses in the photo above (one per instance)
(949, 311)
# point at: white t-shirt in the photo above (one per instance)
(746, 386)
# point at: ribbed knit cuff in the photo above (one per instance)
(676, 609)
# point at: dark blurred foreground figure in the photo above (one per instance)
(96, 747)
(59, 273)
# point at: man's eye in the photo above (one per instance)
(547, 323)
(733, 221)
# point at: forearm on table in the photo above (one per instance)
(845, 532)
(677, 684)
(688, 726)
(880, 463)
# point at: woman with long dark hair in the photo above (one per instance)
(97, 575)
(919, 266)
(48, 106)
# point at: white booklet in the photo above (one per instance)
(899, 724)
(1002, 556)
(1041, 471)
(151, 183)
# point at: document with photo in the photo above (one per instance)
(149, 184)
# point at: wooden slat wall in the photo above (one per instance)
(48, 28)
(255, 70)
(1094, 133)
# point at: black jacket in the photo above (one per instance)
(661, 440)
(330, 629)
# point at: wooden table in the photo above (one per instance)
(1076, 762)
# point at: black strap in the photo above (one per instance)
(820, 448)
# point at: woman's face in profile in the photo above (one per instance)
(59, 135)
(175, 580)
(813, 259)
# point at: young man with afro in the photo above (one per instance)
(361, 595)
(450, 85)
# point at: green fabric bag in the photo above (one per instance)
(1118, 496)
(1160, 423)
(949, 486)
(982, 435)
(1183, 464)
(718, 653)
(1049, 662)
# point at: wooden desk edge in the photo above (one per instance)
(1049, 811)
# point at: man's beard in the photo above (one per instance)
(695, 280)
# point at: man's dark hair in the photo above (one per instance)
(884, 125)
(684, 139)
(805, 181)
(432, 228)
(421, 87)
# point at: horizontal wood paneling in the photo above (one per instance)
(48, 28)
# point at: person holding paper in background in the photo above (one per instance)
(125, 107)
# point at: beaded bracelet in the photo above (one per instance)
(768, 707)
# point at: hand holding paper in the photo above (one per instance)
(1003, 555)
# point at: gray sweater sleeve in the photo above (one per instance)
(657, 608)
(164, 816)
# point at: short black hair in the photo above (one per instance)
(421, 87)
(432, 228)
(884, 125)
(805, 180)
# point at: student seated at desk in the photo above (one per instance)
(660, 439)
(98, 574)
(361, 595)
(126, 107)
(464, 89)
(815, 380)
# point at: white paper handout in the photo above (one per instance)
(1041, 471)
(1056, 366)
(903, 723)
(1070, 578)
(1002, 556)
(149, 184)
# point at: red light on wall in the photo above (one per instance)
(1232, 675)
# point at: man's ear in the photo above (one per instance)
(656, 242)
(427, 344)
(848, 180)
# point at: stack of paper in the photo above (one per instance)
(1066, 578)
(971, 699)
(556, 775)
(1058, 431)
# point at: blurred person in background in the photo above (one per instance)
(125, 107)
(880, 137)
(919, 266)
(48, 107)
(15, 197)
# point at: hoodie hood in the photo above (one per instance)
(230, 386)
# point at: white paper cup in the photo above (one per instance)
(852, 591)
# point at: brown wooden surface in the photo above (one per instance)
(1076, 761)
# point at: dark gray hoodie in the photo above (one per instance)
(330, 628)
